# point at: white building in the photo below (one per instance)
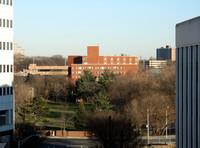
(157, 63)
(188, 84)
(6, 71)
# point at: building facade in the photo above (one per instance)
(6, 71)
(46, 70)
(167, 53)
(98, 64)
(188, 84)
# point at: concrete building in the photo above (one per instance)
(97, 64)
(188, 84)
(167, 53)
(18, 52)
(6, 71)
(46, 70)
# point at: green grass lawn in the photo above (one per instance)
(56, 109)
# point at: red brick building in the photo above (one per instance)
(97, 64)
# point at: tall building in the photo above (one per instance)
(6, 71)
(167, 53)
(97, 64)
(188, 84)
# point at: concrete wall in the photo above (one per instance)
(188, 32)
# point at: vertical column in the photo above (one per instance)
(189, 98)
(185, 97)
(180, 97)
(177, 97)
(194, 97)
(198, 59)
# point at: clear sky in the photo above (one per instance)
(67, 27)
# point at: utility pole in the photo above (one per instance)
(148, 125)
(166, 120)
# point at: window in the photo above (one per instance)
(0, 1)
(0, 91)
(7, 89)
(0, 45)
(11, 2)
(79, 67)
(4, 91)
(102, 67)
(89, 67)
(4, 23)
(79, 72)
(11, 90)
(117, 62)
(104, 59)
(11, 68)
(8, 23)
(84, 59)
(124, 72)
(7, 68)
(104, 62)
(4, 45)
(111, 59)
(72, 67)
(7, 2)
(124, 67)
(4, 2)
(4, 68)
(117, 59)
(11, 46)
(130, 59)
(0, 68)
(0, 19)
(11, 23)
(7, 45)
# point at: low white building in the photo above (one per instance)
(6, 71)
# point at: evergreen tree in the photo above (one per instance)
(80, 118)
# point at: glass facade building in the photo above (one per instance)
(188, 84)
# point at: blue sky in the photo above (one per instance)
(67, 27)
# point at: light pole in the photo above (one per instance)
(148, 125)
(20, 142)
(166, 120)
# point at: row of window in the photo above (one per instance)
(110, 63)
(101, 72)
(6, 68)
(6, 2)
(99, 67)
(6, 45)
(130, 59)
(6, 91)
(6, 23)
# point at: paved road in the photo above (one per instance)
(68, 143)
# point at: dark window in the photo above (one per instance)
(11, 23)
(11, 2)
(0, 68)
(0, 91)
(11, 90)
(4, 45)
(3, 1)
(7, 45)
(11, 68)
(8, 90)
(7, 2)
(4, 91)
(0, 1)
(0, 45)
(7, 68)
(4, 23)
(8, 23)
(11, 46)
(4, 68)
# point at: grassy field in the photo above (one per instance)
(56, 110)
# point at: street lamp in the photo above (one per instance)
(20, 142)
(148, 125)
(166, 120)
